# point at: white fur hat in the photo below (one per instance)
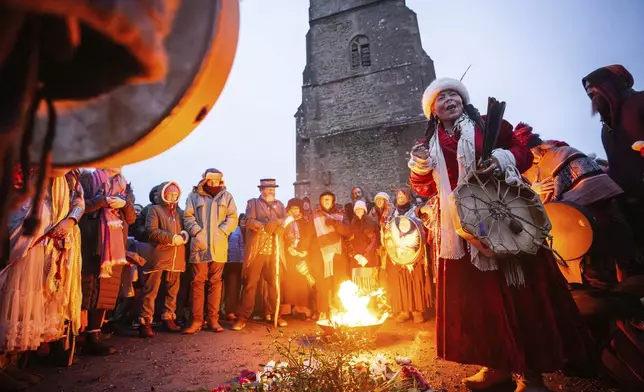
(381, 194)
(360, 204)
(439, 85)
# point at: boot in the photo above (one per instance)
(145, 330)
(22, 375)
(214, 325)
(171, 326)
(194, 327)
(486, 378)
(239, 324)
(402, 317)
(530, 383)
(94, 346)
(281, 322)
(10, 384)
(418, 317)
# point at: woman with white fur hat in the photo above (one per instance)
(524, 326)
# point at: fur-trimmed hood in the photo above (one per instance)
(162, 190)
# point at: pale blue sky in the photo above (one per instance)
(530, 53)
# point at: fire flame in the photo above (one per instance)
(357, 312)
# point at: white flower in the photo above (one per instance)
(269, 366)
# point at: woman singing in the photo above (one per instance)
(509, 317)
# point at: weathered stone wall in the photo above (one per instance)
(322, 8)
(356, 124)
(374, 158)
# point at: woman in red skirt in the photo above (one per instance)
(511, 318)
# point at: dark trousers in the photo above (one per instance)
(232, 286)
(206, 275)
(260, 267)
(151, 289)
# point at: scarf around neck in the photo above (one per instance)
(451, 245)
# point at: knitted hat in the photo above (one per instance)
(442, 84)
(360, 205)
(383, 195)
(295, 202)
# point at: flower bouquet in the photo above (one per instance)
(316, 365)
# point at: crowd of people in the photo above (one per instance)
(86, 260)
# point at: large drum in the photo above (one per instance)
(404, 240)
(138, 121)
(572, 236)
(499, 219)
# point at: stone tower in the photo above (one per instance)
(360, 115)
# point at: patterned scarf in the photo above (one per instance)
(111, 243)
(329, 239)
(452, 246)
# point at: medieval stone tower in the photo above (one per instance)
(365, 74)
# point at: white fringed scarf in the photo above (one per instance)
(452, 246)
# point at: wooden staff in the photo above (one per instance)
(277, 279)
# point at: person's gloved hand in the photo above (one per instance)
(419, 160)
(292, 251)
(271, 226)
(177, 240)
(116, 202)
(361, 260)
(289, 219)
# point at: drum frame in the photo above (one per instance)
(190, 109)
(459, 212)
(423, 238)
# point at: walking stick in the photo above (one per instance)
(277, 279)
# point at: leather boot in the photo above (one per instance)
(10, 384)
(194, 327)
(171, 326)
(145, 329)
(214, 325)
(94, 346)
(418, 317)
(239, 324)
(22, 375)
(530, 383)
(402, 317)
(486, 378)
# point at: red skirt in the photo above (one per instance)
(481, 320)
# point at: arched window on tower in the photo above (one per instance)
(355, 55)
(360, 52)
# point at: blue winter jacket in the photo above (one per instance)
(236, 246)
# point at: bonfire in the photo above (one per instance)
(357, 313)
